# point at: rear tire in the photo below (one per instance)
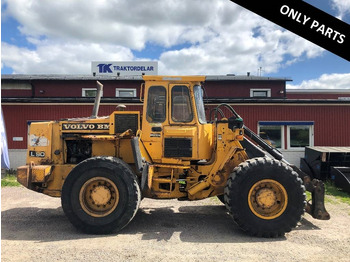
(100, 195)
(265, 197)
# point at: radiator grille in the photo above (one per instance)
(124, 122)
(177, 147)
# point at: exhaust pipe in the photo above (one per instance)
(97, 100)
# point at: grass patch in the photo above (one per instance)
(9, 180)
(335, 192)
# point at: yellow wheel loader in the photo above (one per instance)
(102, 167)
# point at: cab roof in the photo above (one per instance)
(174, 78)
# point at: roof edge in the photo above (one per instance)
(229, 77)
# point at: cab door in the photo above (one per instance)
(154, 117)
(180, 133)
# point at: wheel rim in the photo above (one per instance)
(99, 196)
(267, 199)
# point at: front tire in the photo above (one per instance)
(100, 195)
(221, 198)
(265, 197)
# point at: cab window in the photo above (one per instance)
(156, 104)
(198, 97)
(181, 110)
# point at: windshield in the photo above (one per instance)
(198, 96)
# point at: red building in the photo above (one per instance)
(288, 119)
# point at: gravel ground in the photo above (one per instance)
(34, 228)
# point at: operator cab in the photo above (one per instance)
(174, 120)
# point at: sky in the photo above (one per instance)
(197, 37)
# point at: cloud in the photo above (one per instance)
(60, 58)
(326, 81)
(129, 23)
(237, 50)
(342, 6)
(197, 37)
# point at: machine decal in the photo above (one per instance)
(86, 126)
(38, 140)
(36, 153)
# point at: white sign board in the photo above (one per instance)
(124, 68)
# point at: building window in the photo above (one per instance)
(272, 134)
(125, 92)
(260, 92)
(89, 92)
(299, 134)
